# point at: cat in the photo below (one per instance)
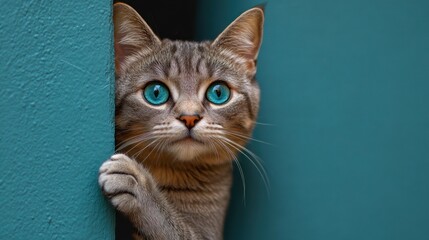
(183, 112)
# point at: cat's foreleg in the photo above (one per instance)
(133, 191)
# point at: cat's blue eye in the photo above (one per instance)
(218, 93)
(156, 93)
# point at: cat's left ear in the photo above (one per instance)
(132, 35)
(243, 37)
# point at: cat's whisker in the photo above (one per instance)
(255, 161)
(133, 130)
(137, 143)
(161, 148)
(213, 145)
(237, 162)
(157, 140)
(243, 180)
(218, 142)
(134, 139)
(247, 137)
(136, 155)
(127, 139)
(158, 151)
(263, 124)
(257, 158)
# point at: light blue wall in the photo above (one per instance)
(56, 114)
(346, 86)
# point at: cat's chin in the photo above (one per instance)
(188, 149)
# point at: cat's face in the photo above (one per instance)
(184, 99)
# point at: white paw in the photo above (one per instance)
(121, 180)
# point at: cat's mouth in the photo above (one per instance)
(187, 140)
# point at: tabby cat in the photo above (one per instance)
(183, 112)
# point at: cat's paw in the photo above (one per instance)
(122, 180)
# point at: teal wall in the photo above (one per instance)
(56, 113)
(346, 86)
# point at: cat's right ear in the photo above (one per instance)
(243, 37)
(132, 35)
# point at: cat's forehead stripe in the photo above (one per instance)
(187, 57)
(197, 66)
(177, 69)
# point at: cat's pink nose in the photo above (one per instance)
(190, 120)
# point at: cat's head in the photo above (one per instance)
(187, 100)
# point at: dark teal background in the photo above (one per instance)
(345, 85)
(56, 119)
